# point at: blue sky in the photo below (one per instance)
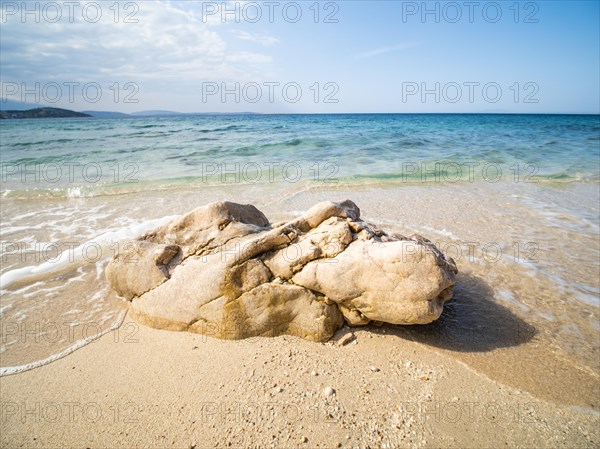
(521, 57)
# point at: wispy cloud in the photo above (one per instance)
(261, 39)
(167, 53)
(165, 43)
(253, 58)
(390, 49)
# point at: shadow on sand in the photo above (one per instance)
(473, 321)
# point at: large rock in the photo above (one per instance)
(225, 271)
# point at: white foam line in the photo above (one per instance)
(74, 256)
(9, 370)
(443, 232)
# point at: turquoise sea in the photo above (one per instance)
(514, 199)
(94, 156)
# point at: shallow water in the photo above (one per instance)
(83, 157)
(526, 308)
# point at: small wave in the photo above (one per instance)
(444, 232)
(224, 128)
(67, 258)
(29, 144)
(207, 152)
(74, 192)
(67, 192)
(247, 151)
(38, 160)
(230, 128)
(411, 143)
(154, 125)
(136, 150)
(508, 297)
(83, 191)
(285, 143)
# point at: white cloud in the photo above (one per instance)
(252, 58)
(168, 53)
(262, 39)
(167, 42)
(384, 50)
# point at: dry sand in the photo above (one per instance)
(141, 387)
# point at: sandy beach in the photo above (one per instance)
(299, 225)
(490, 372)
(141, 387)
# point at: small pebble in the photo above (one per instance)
(328, 391)
(305, 440)
(346, 338)
(314, 373)
(374, 369)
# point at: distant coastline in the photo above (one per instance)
(41, 113)
(11, 106)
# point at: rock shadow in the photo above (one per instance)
(473, 321)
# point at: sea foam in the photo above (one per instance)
(76, 256)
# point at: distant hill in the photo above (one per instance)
(8, 107)
(106, 114)
(41, 113)
(154, 113)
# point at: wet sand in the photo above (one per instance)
(513, 361)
